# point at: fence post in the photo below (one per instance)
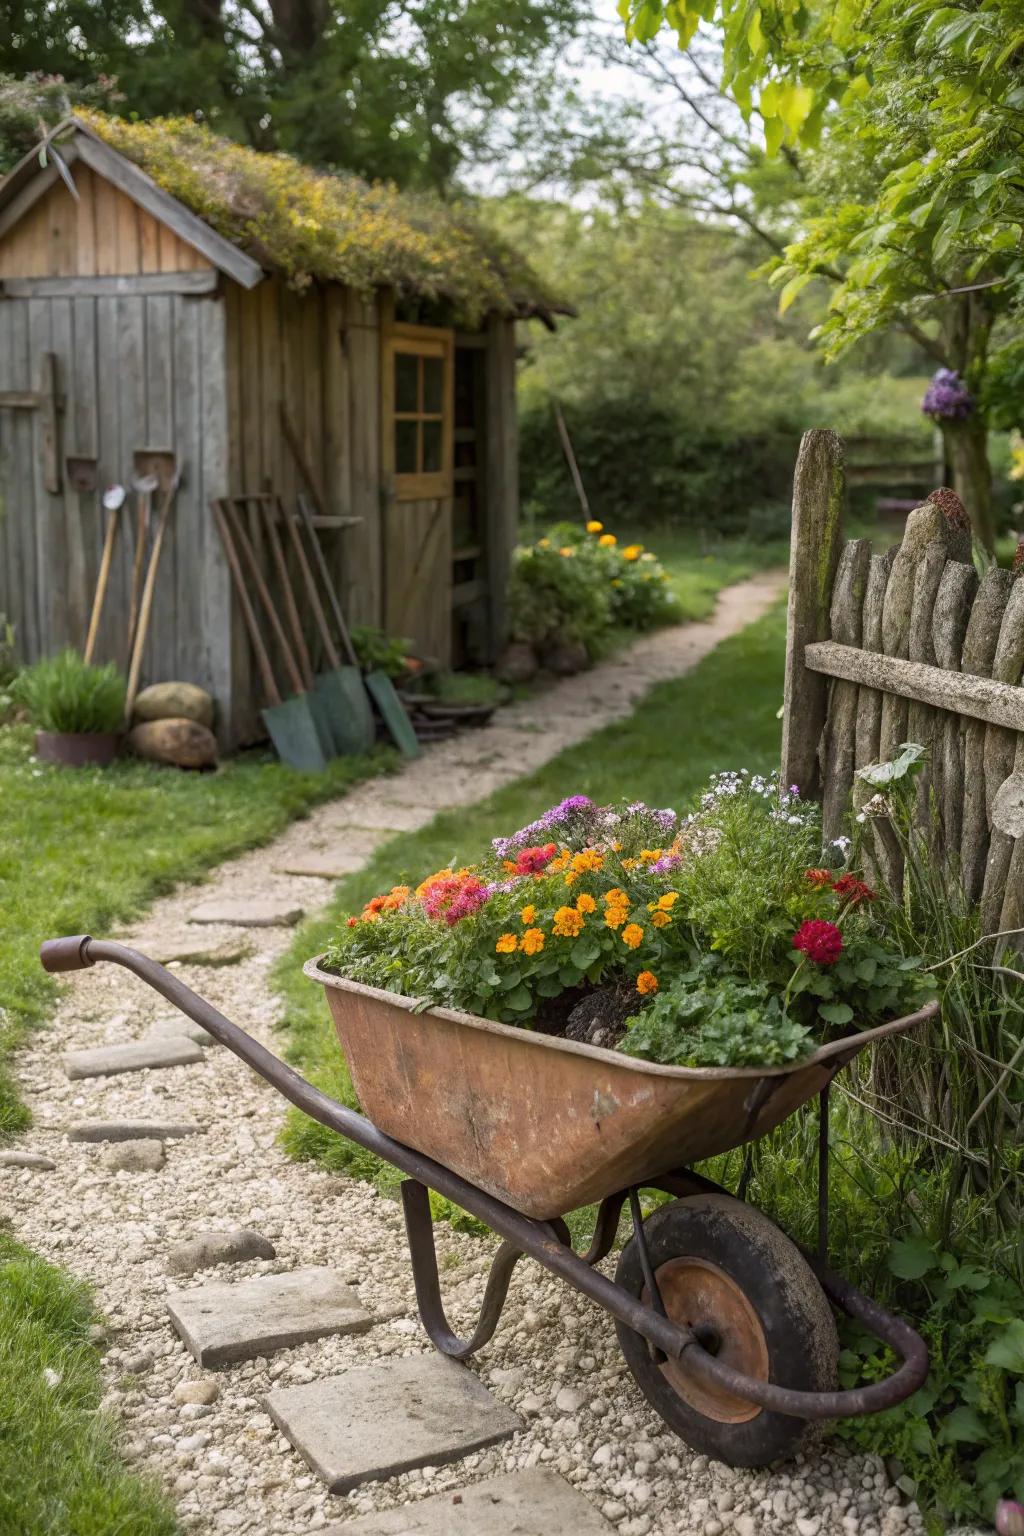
(815, 540)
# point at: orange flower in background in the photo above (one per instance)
(587, 862)
(668, 901)
(646, 983)
(594, 526)
(543, 543)
(632, 935)
(566, 550)
(818, 877)
(632, 552)
(568, 922)
(586, 903)
(651, 855)
(607, 540)
(559, 862)
(630, 863)
(532, 941)
(507, 944)
(661, 919)
(528, 914)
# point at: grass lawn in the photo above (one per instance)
(722, 715)
(699, 566)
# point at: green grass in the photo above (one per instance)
(59, 1468)
(722, 715)
(84, 849)
(699, 566)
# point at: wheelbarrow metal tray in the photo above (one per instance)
(548, 1125)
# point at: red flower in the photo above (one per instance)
(848, 887)
(531, 861)
(819, 877)
(820, 941)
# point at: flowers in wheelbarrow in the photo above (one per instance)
(820, 941)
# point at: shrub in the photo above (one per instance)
(65, 694)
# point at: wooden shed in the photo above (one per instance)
(161, 288)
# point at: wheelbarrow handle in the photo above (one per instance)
(536, 1238)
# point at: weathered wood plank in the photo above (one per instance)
(814, 553)
(237, 714)
(48, 577)
(839, 743)
(365, 437)
(159, 431)
(978, 697)
(952, 614)
(115, 457)
(924, 530)
(141, 284)
(980, 645)
(1002, 752)
(189, 316)
(75, 618)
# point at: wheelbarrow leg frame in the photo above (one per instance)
(546, 1241)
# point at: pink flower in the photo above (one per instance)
(1009, 1518)
(820, 941)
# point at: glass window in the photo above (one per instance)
(407, 386)
(421, 427)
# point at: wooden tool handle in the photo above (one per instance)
(141, 527)
(249, 556)
(221, 513)
(101, 585)
(333, 659)
(270, 515)
(146, 608)
(325, 577)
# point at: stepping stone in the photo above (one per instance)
(534, 1503)
(189, 949)
(27, 1160)
(248, 911)
(179, 1028)
(132, 1130)
(143, 1156)
(210, 1248)
(226, 1322)
(135, 1056)
(326, 865)
(386, 816)
(374, 1422)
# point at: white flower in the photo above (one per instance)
(51, 1377)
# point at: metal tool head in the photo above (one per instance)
(161, 464)
(145, 485)
(113, 497)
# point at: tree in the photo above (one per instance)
(914, 119)
(396, 89)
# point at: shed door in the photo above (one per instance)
(417, 452)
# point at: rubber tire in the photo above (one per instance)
(794, 1314)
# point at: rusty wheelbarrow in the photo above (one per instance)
(726, 1325)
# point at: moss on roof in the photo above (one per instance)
(309, 224)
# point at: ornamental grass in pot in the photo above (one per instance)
(77, 709)
(726, 938)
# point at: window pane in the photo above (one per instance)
(431, 446)
(406, 457)
(433, 385)
(406, 382)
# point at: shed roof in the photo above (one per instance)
(249, 212)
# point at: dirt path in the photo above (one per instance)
(206, 1432)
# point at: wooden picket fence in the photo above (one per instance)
(908, 645)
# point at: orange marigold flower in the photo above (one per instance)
(532, 941)
(559, 862)
(607, 540)
(586, 903)
(632, 935)
(615, 917)
(661, 919)
(506, 944)
(588, 862)
(594, 526)
(630, 863)
(615, 897)
(352, 922)
(818, 877)
(668, 901)
(632, 552)
(566, 550)
(646, 983)
(651, 855)
(528, 914)
(568, 922)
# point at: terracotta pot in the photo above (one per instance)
(86, 749)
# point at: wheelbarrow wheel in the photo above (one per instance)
(727, 1272)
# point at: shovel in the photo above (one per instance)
(379, 685)
(290, 723)
(113, 501)
(318, 702)
(342, 687)
(143, 486)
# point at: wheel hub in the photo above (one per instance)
(700, 1296)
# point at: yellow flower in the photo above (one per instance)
(632, 935)
(650, 855)
(507, 944)
(646, 982)
(528, 914)
(630, 863)
(632, 552)
(589, 861)
(532, 941)
(586, 903)
(616, 582)
(543, 543)
(559, 862)
(661, 919)
(607, 540)
(568, 922)
(594, 526)
(616, 897)
(567, 550)
(668, 901)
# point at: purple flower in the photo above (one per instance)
(666, 819)
(497, 886)
(947, 397)
(666, 863)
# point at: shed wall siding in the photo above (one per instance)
(103, 234)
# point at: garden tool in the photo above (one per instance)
(378, 684)
(113, 501)
(318, 702)
(143, 486)
(341, 687)
(290, 723)
(146, 608)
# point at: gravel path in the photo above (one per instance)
(554, 1358)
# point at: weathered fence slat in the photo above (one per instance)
(839, 742)
(984, 700)
(979, 654)
(949, 627)
(1001, 748)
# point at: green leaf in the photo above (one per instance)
(836, 1013)
(912, 1258)
(584, 952)
(963, 1425)
(793, 289)
(1007, 1349)
(774, 133)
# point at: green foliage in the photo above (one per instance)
(708, 1017)
(59, 1470)
(64, 693)
(379, 652)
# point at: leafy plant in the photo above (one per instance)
(377, 651)
(554, 598)
(65, 694)
(8, 653)
(709, 1017)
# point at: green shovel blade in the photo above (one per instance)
(393, 713)
(293, 731)
(344, 700)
